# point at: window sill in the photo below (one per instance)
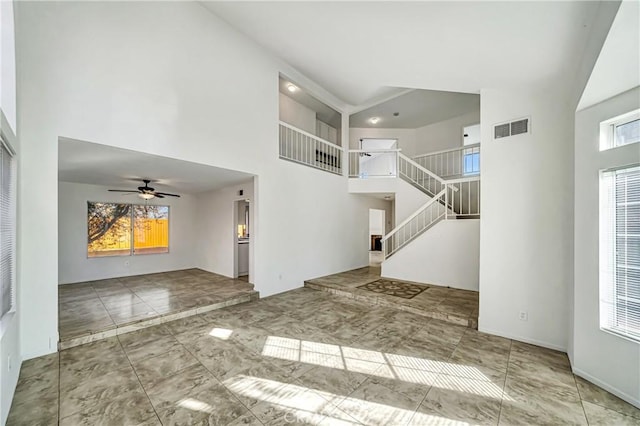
(626, 337)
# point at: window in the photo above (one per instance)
(114, 229)
(619, 131)
(471, 161)
(620, 251)
(7, 228)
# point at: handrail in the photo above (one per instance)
(282, 123)
(416, 213)
(464, 179)
(428, 154)
(375, 150)
(422, 169)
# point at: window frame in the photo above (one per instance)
(608, 130)
(5, 316)
(132, 251)
(608, 263)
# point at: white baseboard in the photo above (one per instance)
(628, 398)
(524, 339)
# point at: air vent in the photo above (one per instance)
(519, 127)
(513, 128)
(501, 131)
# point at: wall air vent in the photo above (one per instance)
(501, 131)
(512, 128)
(519, 127)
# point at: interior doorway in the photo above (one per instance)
(242, 240)
(376, 233)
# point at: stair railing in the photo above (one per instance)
(424, 179)
(373, 163)
(422, 219)
(449, 163)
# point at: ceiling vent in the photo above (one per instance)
(513, 128)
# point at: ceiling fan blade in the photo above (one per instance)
(158, 195)
(164, 193)
(132, 191)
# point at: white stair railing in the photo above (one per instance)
(425, 180)
(301, 147)
(464, 197)
(459, 199)
(449, 163)
(424, 218)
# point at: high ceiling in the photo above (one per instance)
(94, 164)
(363, 50)
(416, 109)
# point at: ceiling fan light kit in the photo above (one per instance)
(145, 192)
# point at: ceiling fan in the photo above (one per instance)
(145, 192)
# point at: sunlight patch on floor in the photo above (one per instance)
(221, 333)
(312, 406)
(460, 378)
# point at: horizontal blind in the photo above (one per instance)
(620, 263)
(7, 229)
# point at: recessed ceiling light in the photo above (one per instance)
(292, 88)
(374, 120)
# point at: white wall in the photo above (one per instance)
(605, 359)
(216, 237)
(142, 76)
(10, 325)
(447, 254)
(408, 200)
(7, 64)
(75, 266)
(444, 134)
(376, 222)
(527, 217)
(296, 114)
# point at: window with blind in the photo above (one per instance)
(620, 251)
(7, 229)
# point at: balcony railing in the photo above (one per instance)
(450, 163)
(301, 147)
(374, 163)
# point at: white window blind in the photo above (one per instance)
(620, 252)
(7, 229)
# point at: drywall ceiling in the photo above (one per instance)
(323, 112)
(618, 66)
(359, 50)
(416, 109)
(95, 164)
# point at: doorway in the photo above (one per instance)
(242, 231)
(376, 233)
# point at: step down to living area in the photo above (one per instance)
(96, 310)
(365, 284)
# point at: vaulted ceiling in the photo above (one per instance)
(362, 51)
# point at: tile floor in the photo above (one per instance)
(92, 310)
(443, 303)
(309, 357)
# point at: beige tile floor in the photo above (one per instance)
(93, 308)
(443, 303)
(309, 357)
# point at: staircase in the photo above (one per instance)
(450, 199)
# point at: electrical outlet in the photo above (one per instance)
(9, 362)
(524, 316)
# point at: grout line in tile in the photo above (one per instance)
(138, 378)
(506, 376)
